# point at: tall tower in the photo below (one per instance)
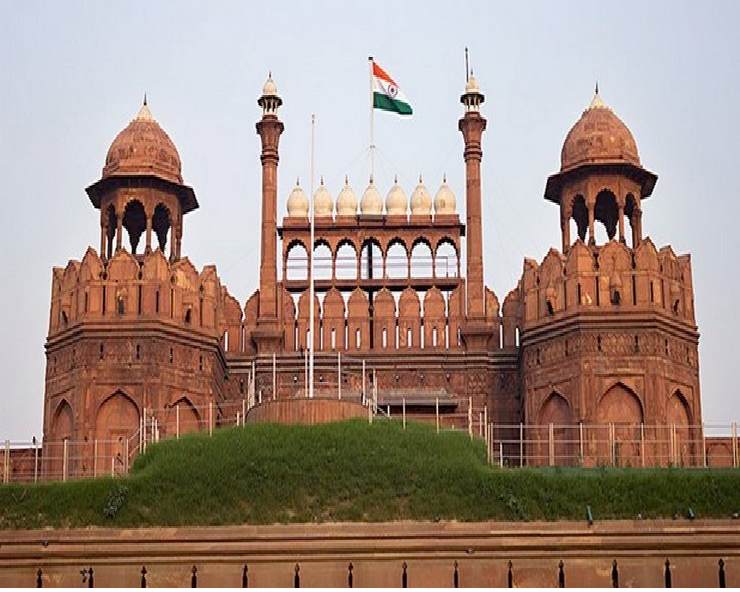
(472, 124)
(609, 338)
(268, 334)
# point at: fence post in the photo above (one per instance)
(480, 424)
(244, 410)
(642, 443)
(177, 421)
(551, 444)
(470, 417)
(35, 462)
(500, 454)
(580, 440)
(436, 412)
(485, 414)
(95, 457)
(112, 466)
(521, 444)
(65, 460)
(6, 462)
(274, 373)
(339, 375)
(612, 434)
(364, 393)
(210, 418)
(403, 411)
(125, 455)
(703, 446)
(672, 444)
(734, 444)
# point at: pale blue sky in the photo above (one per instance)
(72, 75)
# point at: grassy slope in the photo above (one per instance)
(354, 471)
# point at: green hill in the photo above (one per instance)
(353, 471)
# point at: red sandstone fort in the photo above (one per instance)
(594, 335)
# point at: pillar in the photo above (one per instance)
(103, 239)
(620, 217)
(636, 228)
(269, 128)
(591, 234)
(119, 233)
(565, 232)
(148, 248)
(472, 126)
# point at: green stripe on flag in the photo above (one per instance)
(381, 101)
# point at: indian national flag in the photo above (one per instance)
(387, 95)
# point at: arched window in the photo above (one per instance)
(346, 261)
(134, 221)
(111, 231)
(296, 266)
(421, 260)
(161, 223)
(446, 260)
(397, 261)
(606, 212)
(322, 261)
(371, 260)
(579, 217)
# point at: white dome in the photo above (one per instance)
(270, 88)
(297, 203)
(396, 203)
(445, 201)
(347, 201)
(421, 201)
(471, 86)
(323, 204)
(372, 203)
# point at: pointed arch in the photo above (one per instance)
(556, 444)
(189, 417)
(679, 417)
(116, 421)
(620, 407)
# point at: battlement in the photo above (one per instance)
(147, 287)
(609, 278)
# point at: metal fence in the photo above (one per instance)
(507, 445)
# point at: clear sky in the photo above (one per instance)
(72, 74)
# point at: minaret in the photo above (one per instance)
(268, 334)
(472, 125)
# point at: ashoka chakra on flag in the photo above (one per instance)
(387, 95)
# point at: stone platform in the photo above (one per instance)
(377, 552)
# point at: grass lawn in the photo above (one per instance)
(352, 471)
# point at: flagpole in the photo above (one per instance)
(372, 122)
(311, 296)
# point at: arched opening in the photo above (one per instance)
(62, 425)
(182, 418)
(606, 212)
(397, 260)
(422, 264)
(371, 260)
(112, 222)
(296, 263)
(322, 261)
(161, 223)
(346, 261)
(117, 421)
(618, 436)
(579, 217)
(678, 417)
(557, 443)
(134, 221)
(446, 262)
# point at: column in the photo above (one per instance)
(148, 248)
(591, 234)
(620, 216)
(103, 239)
(119, 233)
(472, 126)
(565, 231)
